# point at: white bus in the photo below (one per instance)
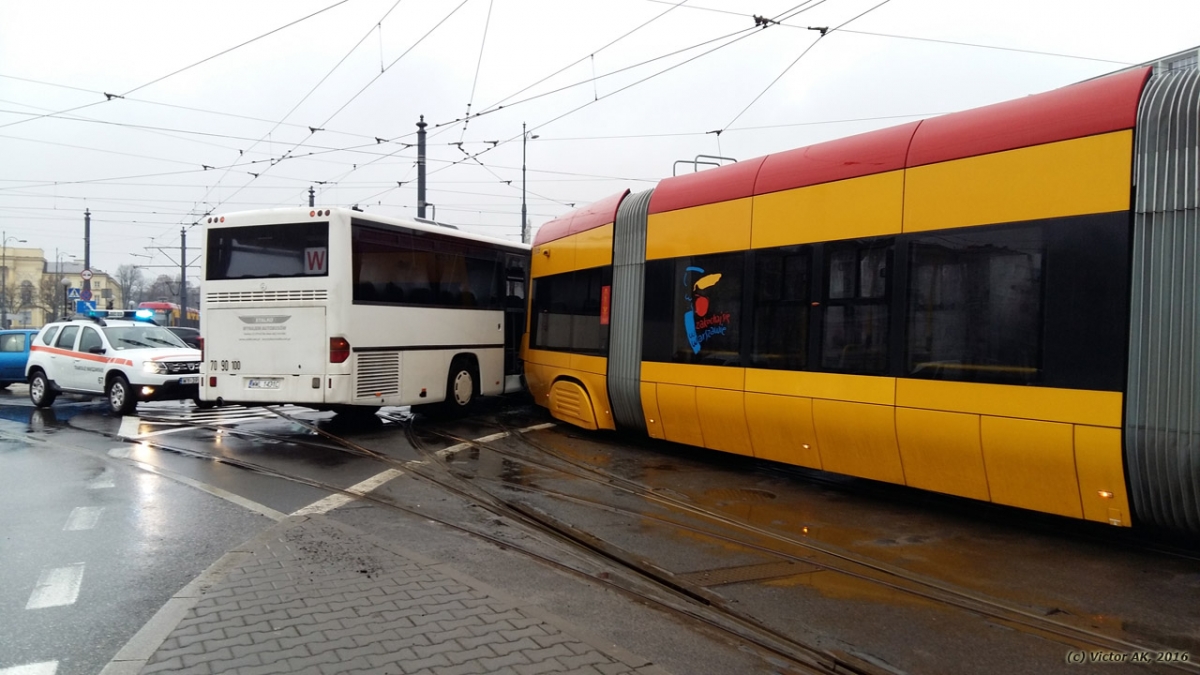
(339, 310)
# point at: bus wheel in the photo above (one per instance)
(204, 405)
(121, 399)
(461, 386)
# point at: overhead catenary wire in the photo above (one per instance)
(343, 168)
(312, 130)
(174, 106)
(823, 33)
(478, 65)
(958, 43)
(110, 97)
(591, 55)
(381, 73)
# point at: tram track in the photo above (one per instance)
(823, 556)
(433, 468)
(611, 571)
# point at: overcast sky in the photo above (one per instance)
(222, 106)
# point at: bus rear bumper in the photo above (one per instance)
(254, 390)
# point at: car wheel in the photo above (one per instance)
(461, 386)
(121, 399)
(40, 391)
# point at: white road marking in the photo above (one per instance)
(43, 668)
(493, 437)
(335, 500)
(129, 426)
(160, 432)
(101, 482)
(83, 518)
(214, 491)
(374, 482)
(57, 586)
(119, 453)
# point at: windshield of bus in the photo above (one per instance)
(267, 251)
(140, 337)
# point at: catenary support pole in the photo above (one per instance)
(421, 168)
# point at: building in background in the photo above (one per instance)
(35, 290)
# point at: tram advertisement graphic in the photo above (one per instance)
(699, 323)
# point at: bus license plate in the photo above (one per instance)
(272, 383)
(189, 380)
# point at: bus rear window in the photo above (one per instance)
(267, 251)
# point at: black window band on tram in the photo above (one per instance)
(268, 251)
(693, 310)
(571, 311)
(1042, 303)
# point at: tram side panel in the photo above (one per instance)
(566, 353)
(1053, 220)
(829, 326)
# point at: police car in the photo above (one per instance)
(123, 356)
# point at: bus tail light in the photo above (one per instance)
(201, 341)
(212, 380)
(339, 350)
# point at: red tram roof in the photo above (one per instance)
(1093, 107)
(596, 214)
(732, 181)
(851, 157)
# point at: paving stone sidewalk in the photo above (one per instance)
(315, 597)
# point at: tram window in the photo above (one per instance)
(569, 313)
(693, 310)
(781, 306)
(975, 306)
(855, 333)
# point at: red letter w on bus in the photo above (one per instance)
(314, 260)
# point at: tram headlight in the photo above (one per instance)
(155, 367)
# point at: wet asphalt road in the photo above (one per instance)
(92, 547)
(105, 518)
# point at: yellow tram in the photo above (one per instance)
(1001, 304)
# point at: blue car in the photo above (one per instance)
(14, 352)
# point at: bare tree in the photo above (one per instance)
(131, 282)
(50, 297)
(164, 289)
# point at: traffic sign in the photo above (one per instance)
(86, 275)
(82, 307)
(73, 293)
(86, 294)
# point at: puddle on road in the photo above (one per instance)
(44, 420)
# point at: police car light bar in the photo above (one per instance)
(146, 315)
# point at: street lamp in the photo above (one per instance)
(66, 284)
(4, 277)
(524, 218)
(59, 256)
